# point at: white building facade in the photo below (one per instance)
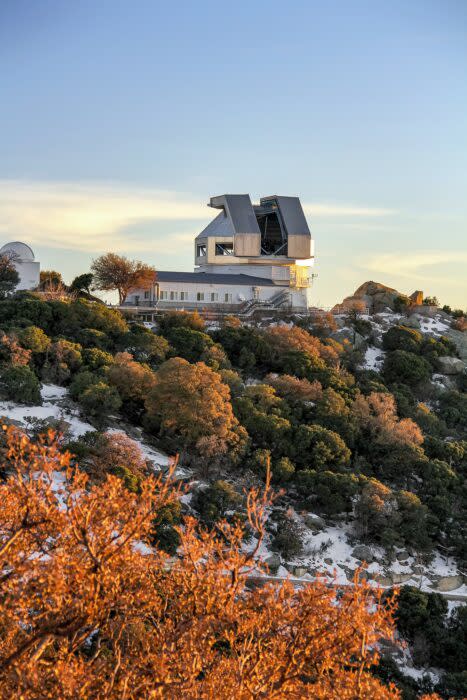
(248, 257)
(28, 269)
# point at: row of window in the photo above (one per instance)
(200, 296)
(220, 249)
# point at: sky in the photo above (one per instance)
(120, 119)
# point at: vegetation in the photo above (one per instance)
(386, 450)
(115, 272)
(96, 617)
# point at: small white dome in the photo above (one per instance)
(19, 251)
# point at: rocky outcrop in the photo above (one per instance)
(450, 365)
(374, 296)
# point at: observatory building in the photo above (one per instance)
(22, 257)
(250, 256)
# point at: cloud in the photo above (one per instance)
(97, 216)
(87, 216)
(412, 264)
(347, 210)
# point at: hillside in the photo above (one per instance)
(361, 415)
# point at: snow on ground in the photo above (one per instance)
(374, 358)
(435, 326)
(51, 409)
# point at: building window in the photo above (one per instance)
(163, 295)
(146, 294)
(200, 251)
(227, 298)
(199, 296)
(173, 296)
(214, 296)
(183, 296)
(224, 249)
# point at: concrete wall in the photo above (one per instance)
(237, 294)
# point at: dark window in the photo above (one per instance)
(200, 251)
(224, 248)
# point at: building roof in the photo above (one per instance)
(239, 216)
(214, 278)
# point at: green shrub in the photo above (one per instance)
(99, 400)
(20, 384)
(406, 367)
(403, 338)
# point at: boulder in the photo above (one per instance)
(300, 571)
(450, 365)
(450, 583)
(412, 322)
(328, 561)
(363, 553)
(314, 522)
(402, 556)
(350, 335)
(273, 562)
(416, 298)
(419, 570)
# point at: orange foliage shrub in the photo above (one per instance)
(192, 402)
(133, 380)
(296, 389)
(88, 611)
(116, 453)
(377, 412)
(12, 353)
(284, 339)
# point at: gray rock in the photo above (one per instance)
(403, 556)
(417, 569)
(363, 553)
(450, 583)
(273, 562)
(328, 561)
(349, 334)
(382, 580)
(314, 522)
(412, 322)
(300, 571)
(450, 365)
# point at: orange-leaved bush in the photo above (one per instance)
(89, 610)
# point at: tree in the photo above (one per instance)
(9, 276)
(112, 271)
(190, 402)
(50, 278)
(101, 614)
(82, 284)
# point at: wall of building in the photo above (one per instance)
(29, 275)
(236, 294)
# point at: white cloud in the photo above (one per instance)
(90, 216)
(93, 217)
(412, 264)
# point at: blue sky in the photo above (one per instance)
(118, 121)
